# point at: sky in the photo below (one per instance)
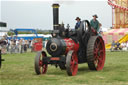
(38, 14)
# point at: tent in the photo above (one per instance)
(120, 35)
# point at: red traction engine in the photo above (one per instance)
(68, 48)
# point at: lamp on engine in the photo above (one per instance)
(67, 48)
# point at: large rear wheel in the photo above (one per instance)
(71, 63)
(40, 67)
(96, 53)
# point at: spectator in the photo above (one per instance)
(29, 45)
(100, 29)
(127, 45)
(17, 45)
(8, 45)
(12, 44)
(22, 45)
(113, 45)
(123, 45)
(3, 45)
(118, 47)
(25, 45)
(32, 45)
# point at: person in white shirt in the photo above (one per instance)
(22, 45)
(12, 44)
(123, 45)
(17, 45)
(127, 45)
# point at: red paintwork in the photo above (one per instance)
(38, 44)
(55, 58)
(74, 64)
(71, 45)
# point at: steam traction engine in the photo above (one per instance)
(70, 48)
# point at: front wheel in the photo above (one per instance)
(71, 63)
(40, 67)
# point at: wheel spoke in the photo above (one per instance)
(72, 64)
(96, 44)
(95, 57)
(44, 68)
(40, 63)
(96, 49)
(101, 51)
(99, 44)
(95, 52)
(100, 59)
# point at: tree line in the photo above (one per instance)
(27, 32)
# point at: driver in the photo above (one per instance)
(95, 23)
(78, 22)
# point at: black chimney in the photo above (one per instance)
(55, 16)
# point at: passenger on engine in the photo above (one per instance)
(95, 23)
(78, 22)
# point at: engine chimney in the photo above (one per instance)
(55, 16)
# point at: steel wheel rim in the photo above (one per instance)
(99, 54)
(42, 67)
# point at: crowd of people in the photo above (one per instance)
(15, 45)
(119, 46)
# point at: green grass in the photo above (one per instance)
(18, 69)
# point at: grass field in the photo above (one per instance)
(18, 69)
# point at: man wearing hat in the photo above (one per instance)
(78, 22)
(95, 23)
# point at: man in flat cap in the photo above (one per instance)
(95, 23)
(78, 22)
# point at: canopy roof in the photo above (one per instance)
(24, 30)
(122, 31)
